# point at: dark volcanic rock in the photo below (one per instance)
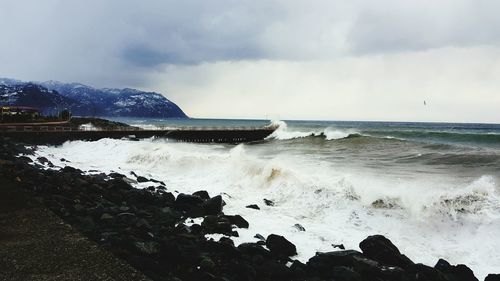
(142, 179)
(212, 206)
(202, 194)
(186, 202)
(238, 220)
(299, 227)
(458, 272)
(427, 273)
(492, 277)
(340, 246)
(116, 175)
(381, 249)
(280, 246)
(218, 224)
(253, 206)
(268, 202)
(325, 261)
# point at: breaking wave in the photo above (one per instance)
(329, 133)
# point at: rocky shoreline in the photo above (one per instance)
(153, 231)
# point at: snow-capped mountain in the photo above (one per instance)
(29, 94)
(88, 101)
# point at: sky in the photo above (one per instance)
(276, 59)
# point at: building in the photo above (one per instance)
(18, 112)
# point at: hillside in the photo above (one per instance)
(83, 100)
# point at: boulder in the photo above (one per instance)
(106, 217)
(186, 202)
(212, 206)
(268, 202)
(148, 248)
(381, 249)
(142, 179)
(253, 249)
(326, 261)
(340, 246)
(427, 273)
(458, 272)
(280, 246)
(217, 224)
(492, 277)
(299, 227)
(202, 194)
(238, 220)
(116, 175)
(253, 206)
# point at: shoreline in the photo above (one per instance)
(148, 229)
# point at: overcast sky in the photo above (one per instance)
(288, 59)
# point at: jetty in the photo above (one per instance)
(59, 132)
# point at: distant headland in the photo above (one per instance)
(52, 97)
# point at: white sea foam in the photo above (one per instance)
(427, 217)
(285, 133)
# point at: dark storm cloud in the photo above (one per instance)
(122, 42)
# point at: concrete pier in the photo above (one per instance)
(38, 134)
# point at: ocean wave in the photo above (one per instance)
(329, 133)
(438, 140)
(440, 136)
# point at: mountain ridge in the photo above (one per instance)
(84, 100)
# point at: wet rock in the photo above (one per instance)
(344, 273)
(427, 273)
(202, 194)
(268, 202)
(124, 208)
(260, 237)
(253, 249)
(43, 160)
(381, 249)
(253, 206)
(126, 215)
(298, 269)
(142, 223)
(106, 217)
(119, 184)
(79, 207)
(458, 272)
(325, 261)
(186, 202)
(157, 181)
(141, 179)
(217, 224)
(275, 270)
(148, 248)
(24, 159)
(86, 223)
(116, 175)
(492, 277)
(206, 264)
(212, 206)
(71, 170)
(280, 246)
(238, 220)
(340, 246)
(299, 227)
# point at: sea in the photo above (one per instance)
(431, 188)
